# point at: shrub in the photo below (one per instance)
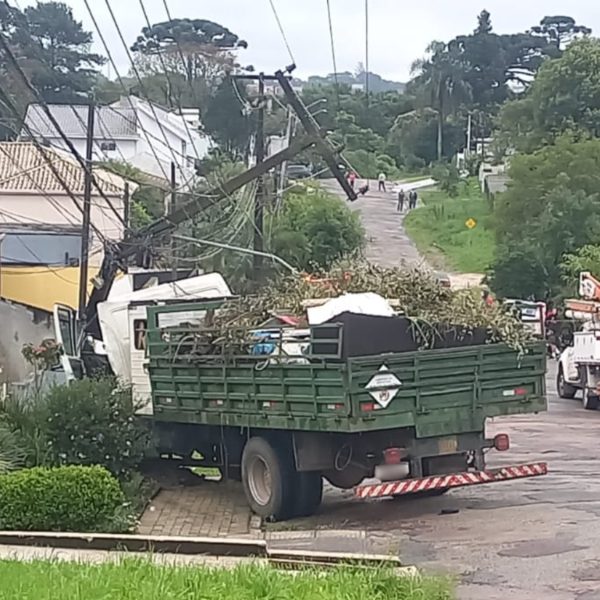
(12, 454)
(92, 422)
(59, 499)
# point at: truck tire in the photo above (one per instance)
(268, 479)
(564, 389)
(309, 493)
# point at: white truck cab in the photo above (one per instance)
(123, 323)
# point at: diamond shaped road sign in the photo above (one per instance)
(383, 387)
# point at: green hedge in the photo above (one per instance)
(70, 498)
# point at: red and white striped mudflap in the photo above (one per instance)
(455, 480)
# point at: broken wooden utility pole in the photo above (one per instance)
(118, 256)
(87, 208)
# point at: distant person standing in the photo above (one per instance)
(381, 182)
(412, 199)
(352, 179)
(401, 200)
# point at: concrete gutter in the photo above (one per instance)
(179, 545)
(137, 543)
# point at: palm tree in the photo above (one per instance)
(441, 81)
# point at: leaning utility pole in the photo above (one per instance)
(283, 172)
(87, 207)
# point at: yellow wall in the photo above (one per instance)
(42, 287)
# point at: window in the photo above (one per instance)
(108, 146)
(139, 333)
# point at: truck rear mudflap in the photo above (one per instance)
(439, 483)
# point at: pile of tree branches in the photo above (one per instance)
(416, 293)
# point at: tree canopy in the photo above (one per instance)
(565, 96)
(55, 51)
(552, 208)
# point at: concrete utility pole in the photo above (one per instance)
(469, 134)
(259, 208)
(87, 207)
(171, 211)
(289, 132)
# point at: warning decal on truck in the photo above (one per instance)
(383, 387)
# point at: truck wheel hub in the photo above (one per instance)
(259, 481)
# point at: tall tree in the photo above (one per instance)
(551, 208)
(54, 49)
(196, 53)
(560, 30)
(226, 120)
(565, 96)
(442, 83)
(484, 23)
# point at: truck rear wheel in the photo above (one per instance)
(268, 479)
(565, 390)
(309, 493)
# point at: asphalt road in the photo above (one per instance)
(388, 245)
(521, 540)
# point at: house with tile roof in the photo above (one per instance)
(133, 130)
(40, 224)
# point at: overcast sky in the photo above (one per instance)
(400, 30)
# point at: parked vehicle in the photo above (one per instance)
(284, 408)
(579, 364)
(299, 172)
(285, 405)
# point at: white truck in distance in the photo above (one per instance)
(579, 364)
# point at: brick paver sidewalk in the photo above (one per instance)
(209, 508)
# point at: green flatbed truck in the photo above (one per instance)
(285, 418)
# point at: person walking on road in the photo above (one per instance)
(412, 199)
(401, 200)
(381, 182)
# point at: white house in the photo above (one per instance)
(131, 130)
(33, 198)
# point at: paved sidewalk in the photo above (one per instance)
(209, 508)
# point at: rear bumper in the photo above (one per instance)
(444, 482)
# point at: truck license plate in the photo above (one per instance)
(448, 445)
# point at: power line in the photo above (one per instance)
(282, 31)
(142, 87)
(72, 107)
(6, 48)
(120, 79)
(335, 71)
(182, 58)
(164, 66)
(50, 199)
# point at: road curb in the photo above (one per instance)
(137, 543)
(220, 547)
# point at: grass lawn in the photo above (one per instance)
(133, 579)
(439, 231)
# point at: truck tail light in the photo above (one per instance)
(502, 442)
(393, 456)
(367, 406)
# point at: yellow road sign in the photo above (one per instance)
(471, 223)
